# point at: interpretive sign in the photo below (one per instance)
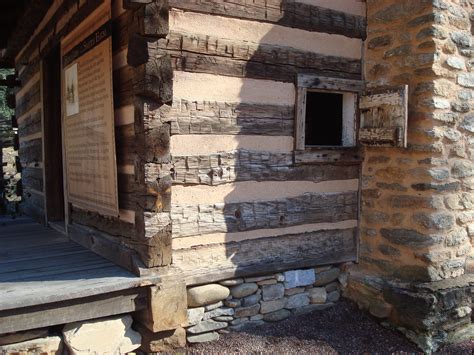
(88, 118)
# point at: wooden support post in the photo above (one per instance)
(167, 306)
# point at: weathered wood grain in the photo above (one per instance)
(339, 155)
(219, 262)
(31, 151)
(30, 124)
(205, 117)
(207, 54)
(28, 100)
(384, 117)
(315, 82)
(33, 178)
(242, 165)
(288, 13)
(193, 220)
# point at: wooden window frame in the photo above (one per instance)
(308, 82)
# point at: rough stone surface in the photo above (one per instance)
(251, 300)
(296, 278)
(318, 295)
(294, 291)
(207, 294)
(233, 282)
(272, 306)
(326, 277)
(297, 301)
(218, 312)
(103, 336)
(203, 338)
(233, 303)
(243, 290)
(206, 326)
(273, 292)
(210, 307)
(247, 311)
(277, 316)
(50, 345)
(167, 341)
(195, 315)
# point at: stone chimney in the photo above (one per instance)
(417, 225)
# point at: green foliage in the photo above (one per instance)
(4, 110)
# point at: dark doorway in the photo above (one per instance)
(52, 141)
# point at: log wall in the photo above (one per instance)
(61, 17)
(224, 175)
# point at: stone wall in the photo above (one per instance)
(235, 304)
(417, 203)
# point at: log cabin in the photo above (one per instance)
(260, 158)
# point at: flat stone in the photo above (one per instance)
(233, 282)
(277, 316)
(297, 301)
(468, 123)
(238, 321)
(195, 315)
(466, 80)
(206, 295)
(224, 319)
(210, 307)
(272, 306)
(247, 311)
(103, 336)
(409, 237)
(259, 278)
(333, 296)
(456, 63)
(325, 277)
(380, 309)
(273, 292)
(256, 317)
(218, 312)
(295, 278)
(48, 345)
(203, 338)
(333, 286)
(311, 308)
(251, 300)
(207, 326)
(294, 291)
(267, 282)
(232, 303)
(318, 295)
(243, 290)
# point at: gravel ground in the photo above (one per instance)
(342, 329)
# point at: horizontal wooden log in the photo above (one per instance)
(32, 178)
(50, 314)
(110, 225)
(282, 12)
(28, 100)
(30, 70)
(233, 217)
(215, 55)
(222, 261)
(192, 117)
(311, 81)
(337, 155)
(242, 165)
(31, 151)
(30, 124)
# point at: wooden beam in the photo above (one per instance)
(50, 314)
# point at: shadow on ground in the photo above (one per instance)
(341, 329)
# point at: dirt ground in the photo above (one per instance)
(342, 329)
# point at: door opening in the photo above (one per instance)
(52, 139)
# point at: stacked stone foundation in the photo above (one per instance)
(235, 304)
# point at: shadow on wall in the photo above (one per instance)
(241, 199)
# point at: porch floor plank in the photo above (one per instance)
(40, 266)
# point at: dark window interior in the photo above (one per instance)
(323, 124)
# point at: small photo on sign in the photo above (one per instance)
(72, 92)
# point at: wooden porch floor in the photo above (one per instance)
(45, 279)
